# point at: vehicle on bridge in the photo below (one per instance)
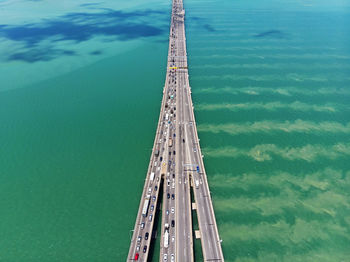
(197, 183)
(145, 208)
(166, 237)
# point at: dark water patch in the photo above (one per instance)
(90, 4)
(199, 22)
(40, 54)
(271, 34)
(161, 41)
(80, 27)
(40, 38)
(70, 27)
(209, 28)
(96, 52)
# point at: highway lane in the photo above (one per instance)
(211, 244)
(136, 247)
(184, 241)
(177, 124)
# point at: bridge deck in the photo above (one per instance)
(177, 159)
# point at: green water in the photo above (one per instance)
(73, 157)
(271, 90)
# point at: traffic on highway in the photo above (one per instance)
(175, 170)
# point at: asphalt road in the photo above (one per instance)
(177, 159)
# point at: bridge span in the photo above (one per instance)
(176, 165)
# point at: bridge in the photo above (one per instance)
(176, 176)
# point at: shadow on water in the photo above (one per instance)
(197, 248)
(154, 247)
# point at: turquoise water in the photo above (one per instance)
(79, 104)
(271, 90)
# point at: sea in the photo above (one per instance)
(80, 91)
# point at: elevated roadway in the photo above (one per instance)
(177, 161)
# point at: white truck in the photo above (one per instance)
(151, 177)
(166, 237)
(145, 206)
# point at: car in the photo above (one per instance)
(183, 140)
(168, 195)
(136, 256)
(194, 150)
(150, 218)
(173, 175)
(152, 208)
(155, 188)
(138, 248)
(161, 159)
(169, 153)
(144, 249)
(172, 223)
(172, 239)
(142, 225)
(147, 234)
(168, 183)
(167, 212)
(154, 198)
(172, 210)
(172, 196)
(172, 258)
(139, 239)
(165, 257)
(174, 152)
(157, 179)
